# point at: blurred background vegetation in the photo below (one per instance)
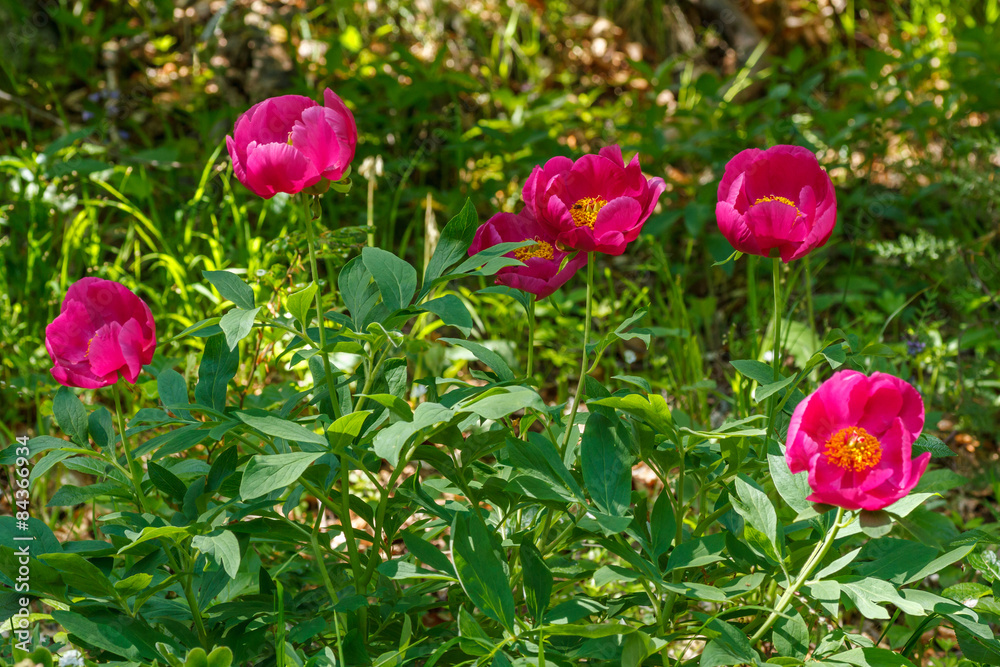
(113, 117)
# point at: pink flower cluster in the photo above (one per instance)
(853, 436)
(594, 204)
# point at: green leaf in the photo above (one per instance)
(450, 309)
(792, 487)
(69, 495)
(456, 237)
(590, 631)
(298, 303)
(499, 402)
(606, 464)
(154, 533)
(219, 364)
(357, 290)
(698, 552)
(754, 370)
(756, 509)
(872, 657)
(133, 585)
(172, 388)
(729, 647)
(866, 592)
(267, 472)
(80, 573)
(892, 559)
(537, 579)
(231, 287)
(767, 390)
(166, 481)
(237, 324)
(396, 278)
(652, 409)
(100, 635)
(428, 553)
(480, 569)
(390, 441)
(224, 547)
(280, 428)
(70, 415)
(101, 427)
(485, 355)
(662, 525)
(790, 635)
(929, 443)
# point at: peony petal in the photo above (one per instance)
(315, 137)
(238, 157)
(782, 171)
(733, 226)
(735, 174)
(343, 125)
(105, 351)
(593, 176)
(273, 119)
(274, 168)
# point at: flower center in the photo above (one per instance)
(585, 211)
(780, 200)
(541, 249)
(289, 138)
(853, 448)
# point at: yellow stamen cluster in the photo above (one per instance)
(853, 448)
(89, 343)
(780, 200)
(585, 211)
(289, 138)
(541, 249)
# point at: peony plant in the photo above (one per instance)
(383, 510)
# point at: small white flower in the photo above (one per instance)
(418, 391)
(971, 602)
(71, 658)
(769, 356)
(630, 357)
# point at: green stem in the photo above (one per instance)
(199, 624)
(371, 210)
(328, 376)
(809, 295)
(752, 302)
(583, 361)
(352, 544)
(531, 337)
(776, 348)
(817, 556)
(135, 472)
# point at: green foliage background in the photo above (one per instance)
(113, 118)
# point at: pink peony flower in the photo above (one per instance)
(855, 436)
(102, 330)
(593, 204)
(540, 274)
(290, 143)
(778, 199)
